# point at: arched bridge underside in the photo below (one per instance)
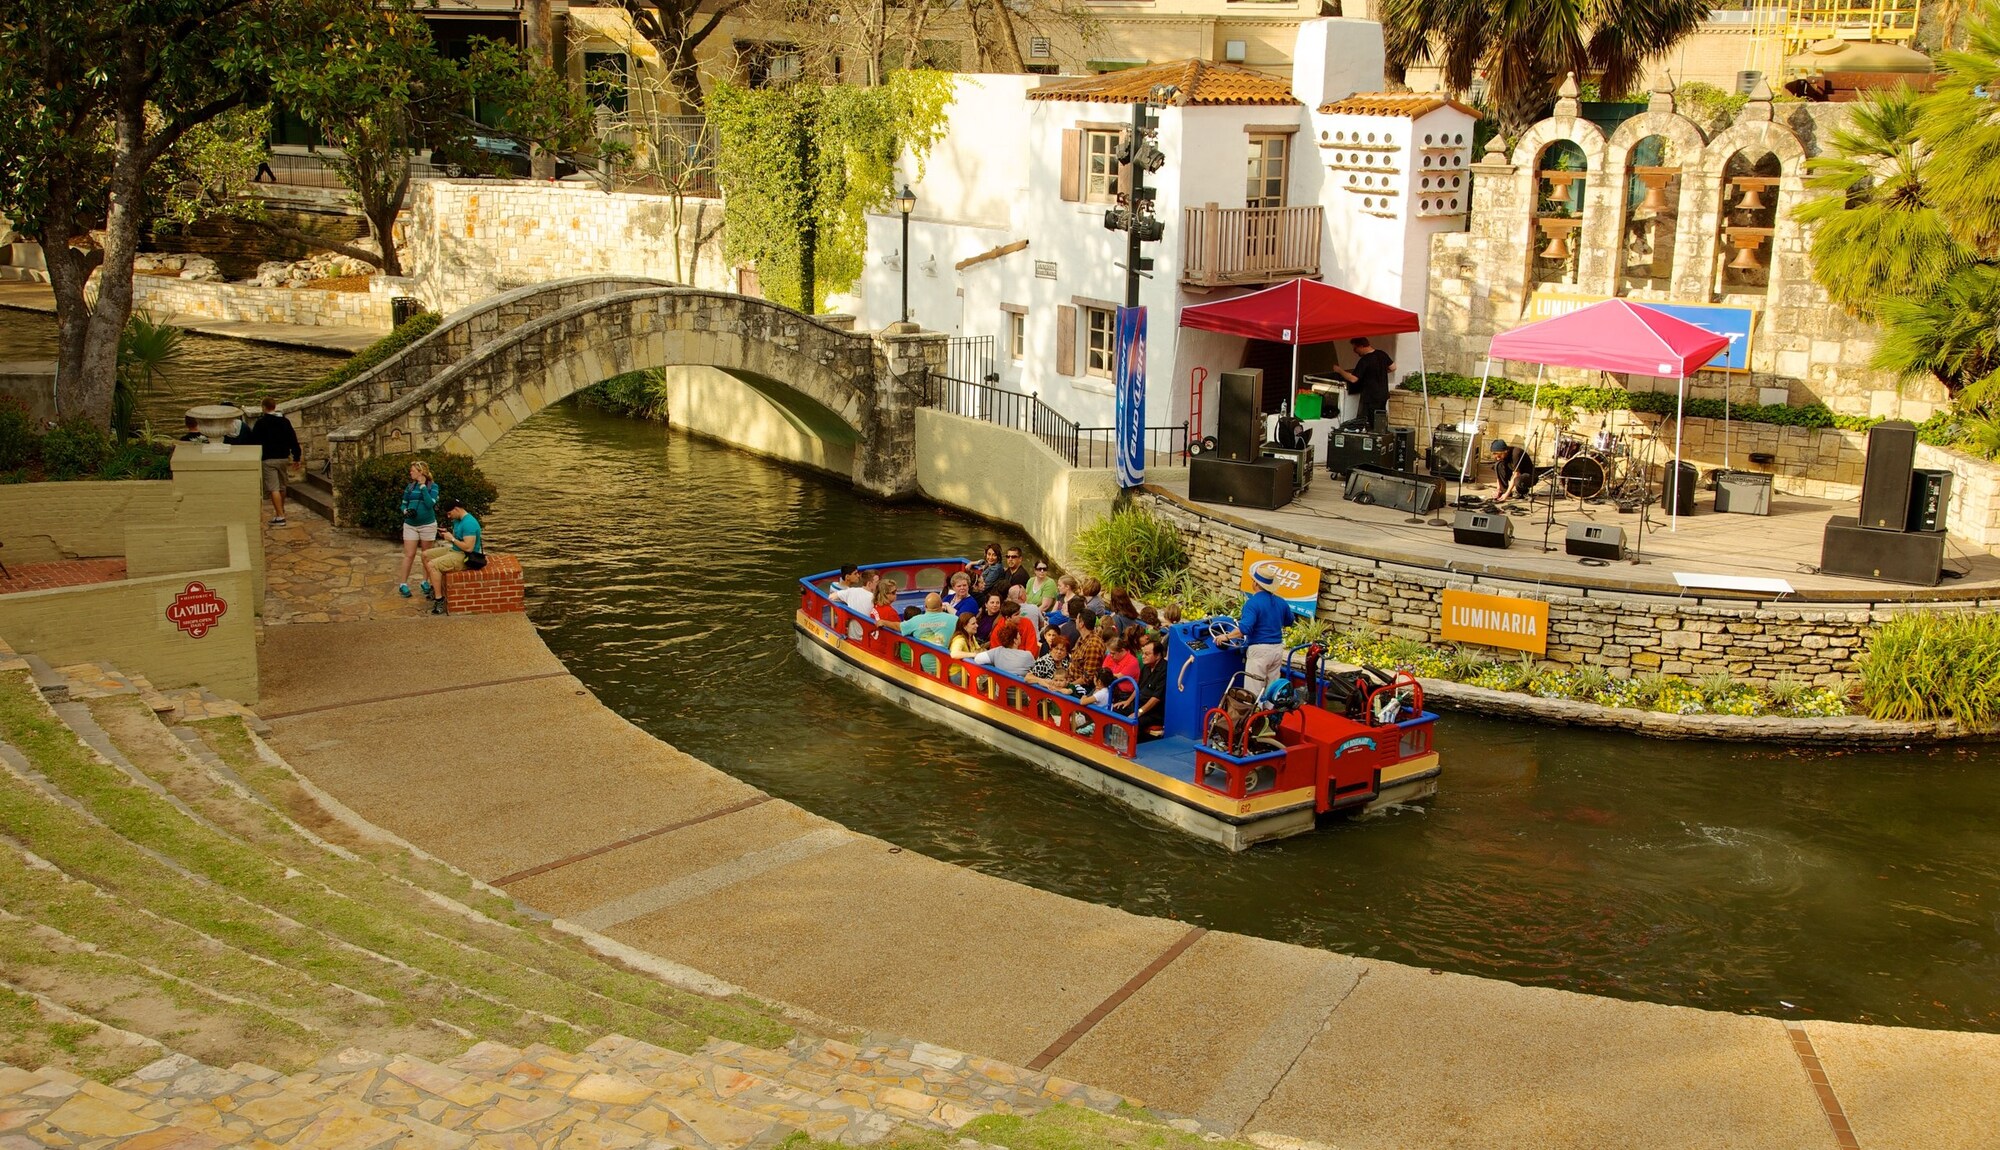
(869, 385)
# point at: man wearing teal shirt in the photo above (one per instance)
(462, 542)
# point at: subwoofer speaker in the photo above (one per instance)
(1483, 529)
(1915, 557)
(1415, 494)
(1595, 541)
(1239, 429)
(1266, 483)
(1887, 477)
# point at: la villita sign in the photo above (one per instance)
(196, 609)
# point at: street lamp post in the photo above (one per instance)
(906, 202)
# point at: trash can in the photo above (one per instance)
(402, 307)
(1306, 405)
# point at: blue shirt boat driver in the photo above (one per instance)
(1262, 626)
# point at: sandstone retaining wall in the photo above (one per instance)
(187, 299)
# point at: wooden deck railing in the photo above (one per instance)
(1223, 246)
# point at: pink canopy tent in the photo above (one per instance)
(1302, 311)
(1615, 335)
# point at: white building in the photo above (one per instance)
(1264, 180)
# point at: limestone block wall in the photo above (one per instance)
(466, 240)
(1625, 633)
(186, 299)
(1483, 279)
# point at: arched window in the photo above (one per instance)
(1652, 217)
(1748, 218)
(1560, 171)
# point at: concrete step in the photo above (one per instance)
(312, 492)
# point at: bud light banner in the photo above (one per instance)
(1129, 372)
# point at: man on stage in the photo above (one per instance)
(1369, 380)
(1514, 470)
(1262, 625)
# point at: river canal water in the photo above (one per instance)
(1858, 887)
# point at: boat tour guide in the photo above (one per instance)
(1262, 627)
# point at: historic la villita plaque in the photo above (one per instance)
(196, 609)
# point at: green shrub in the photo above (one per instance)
(75, 449)
(17, 435)
(140, 459)
(1134, 549)
(374, 493)
(1599, 400)
(411, 330)
(1931, 665)
(638, 394)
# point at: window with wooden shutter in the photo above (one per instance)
(1065, 340)
(1072, 164)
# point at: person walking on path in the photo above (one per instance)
(420, 521)
(464, 550)
(273, 433)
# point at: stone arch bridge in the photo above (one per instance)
(490, 366)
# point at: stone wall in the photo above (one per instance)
(1624, 632)
(466, 240)
(1483, 279)
(1008, 475)
(179, 299)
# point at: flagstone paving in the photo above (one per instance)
(315, 572)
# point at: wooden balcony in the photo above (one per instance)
(1223, 247)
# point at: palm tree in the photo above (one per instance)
(146, 351)
(1524, 47)
(1950, 334)
(1878, 232)
(1962, 134)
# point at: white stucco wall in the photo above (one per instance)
(1038, 491)
(719, 406)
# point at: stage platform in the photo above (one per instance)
(1783, 545)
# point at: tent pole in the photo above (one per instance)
(1477, 406)
(1430, 421)
(1534, 405)
(1680, 417)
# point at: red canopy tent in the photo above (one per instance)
(1304, 311)
(1615, 335)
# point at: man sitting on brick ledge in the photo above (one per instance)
(462, 550)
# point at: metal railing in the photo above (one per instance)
(971, 357)
(1221, 246)
(1166, 446)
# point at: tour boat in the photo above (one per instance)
(1231, 773)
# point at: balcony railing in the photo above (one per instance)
(1224, 246)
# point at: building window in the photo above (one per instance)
(604, 80)
(1265, 187)
(1017, 335)
(1100, 166)
(767, 64)
(1100, 338)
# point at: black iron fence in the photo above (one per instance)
(1166, 446)
(971, 357)
(1081, 446)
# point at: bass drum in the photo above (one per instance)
(1582, 476)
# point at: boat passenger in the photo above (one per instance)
(1123, 609)
(1028, 610)
(1087, 654)
(1055, 654)
(1010, 575)
(1003, 655)
(1262, 626)
(990, 617)
(1073, 609)
(1170, 614)
(858, 595)
(986, 570)
(960, 598)
(965, 638)
(1043, 590)
(1120, 659)
(1025, 634)
(885, 601)
(1093, 596)
(1149, 709)
(935, 624)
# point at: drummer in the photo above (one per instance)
(1514, 469)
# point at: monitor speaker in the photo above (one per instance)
(1483, 529)
(1265, 483)
(1930, 500)
(1677, 495)
(1239, 429)
(1595, 541)
(1415, 494)
(1915, 557)
(1886, 479)
(1450, 448)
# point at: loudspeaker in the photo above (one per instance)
(1930, 499)
(1885, 482)
(1302, 463)
(1347, 450)
(1403, 449)
(1743, 492)
(1239, 429)
(1848, 548)
(1677, 496)
(1415, 494)
(1483, 529)
(1266, 483)
(1595, 541)
(1450, 449)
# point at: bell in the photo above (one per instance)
(1558, 248)
(1746, 257)
(1656, 195)
(1753, 197)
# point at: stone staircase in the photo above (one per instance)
(312, 490)
(185, 931)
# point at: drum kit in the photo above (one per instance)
(1606, 468)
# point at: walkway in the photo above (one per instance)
(40, 297)
(577, 812)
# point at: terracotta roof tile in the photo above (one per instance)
(1201, 83)
(1407, 105)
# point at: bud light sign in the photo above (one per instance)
(1129, 373)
